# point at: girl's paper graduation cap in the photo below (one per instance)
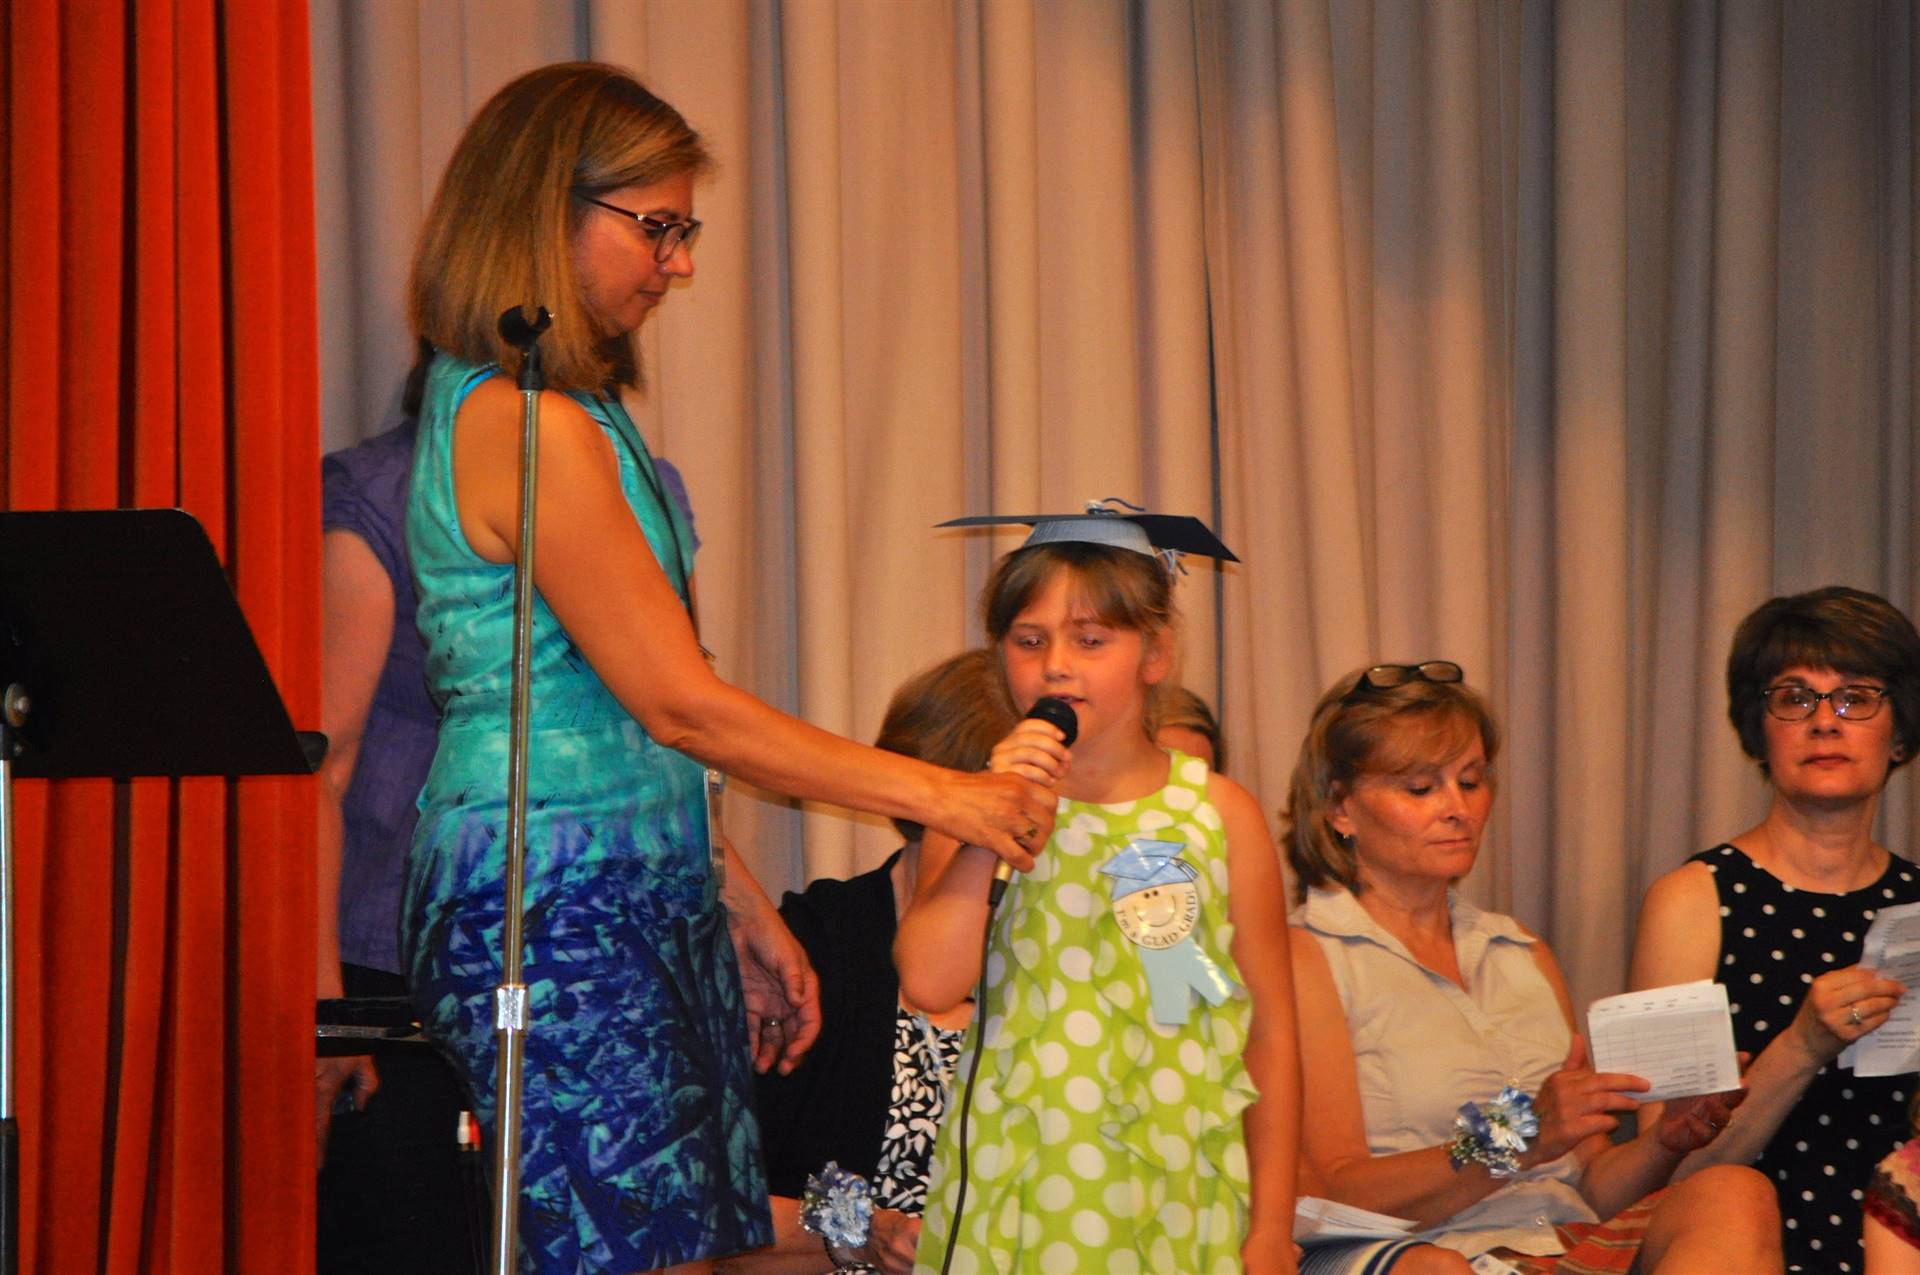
(1156, 535)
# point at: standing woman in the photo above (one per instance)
(1824, 690)
(573, 188)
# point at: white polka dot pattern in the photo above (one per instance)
(1774, 942)
(1101, 1140)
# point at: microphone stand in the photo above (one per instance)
(510, 997)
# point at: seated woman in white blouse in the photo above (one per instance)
(1414, 1002)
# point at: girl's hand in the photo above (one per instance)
(1841, 1007)
(1009, 815)
(1034, 749)
(1687, 1124)
(1577, 1102)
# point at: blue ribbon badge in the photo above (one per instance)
(1157, 905)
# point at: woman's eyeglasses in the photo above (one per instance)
(1796, 703)
(1382, 677)
(666, 235)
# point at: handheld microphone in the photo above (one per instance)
(1047, 708)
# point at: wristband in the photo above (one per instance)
(838, 1207)
(1493, 1133)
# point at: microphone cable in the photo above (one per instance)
(973, 1074)
(1060, 715)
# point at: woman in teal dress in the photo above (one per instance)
(573, 188)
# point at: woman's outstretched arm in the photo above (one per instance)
(595, 570)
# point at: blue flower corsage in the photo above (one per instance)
(1493, 1133)
(837, 1206)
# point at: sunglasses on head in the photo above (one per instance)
(1384, 677)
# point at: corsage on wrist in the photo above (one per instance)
(838, 1207)
(1493, 1133)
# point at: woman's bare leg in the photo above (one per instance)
(1720, 1219)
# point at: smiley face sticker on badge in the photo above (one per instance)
(1160, 915)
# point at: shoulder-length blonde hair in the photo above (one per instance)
(500, 230)
(1364, 730)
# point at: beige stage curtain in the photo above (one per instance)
(1547, 337)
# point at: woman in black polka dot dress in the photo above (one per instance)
(1824, 690)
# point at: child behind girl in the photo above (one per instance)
(1137, 1107)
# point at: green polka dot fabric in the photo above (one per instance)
(1100, 1139)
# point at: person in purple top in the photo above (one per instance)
(390, 1183)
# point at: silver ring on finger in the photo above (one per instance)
(1853, 1013)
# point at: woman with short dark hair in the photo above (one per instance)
(1823, 689)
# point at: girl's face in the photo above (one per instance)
(1826, 759)
(1420, 825)
(613, 255)
(1057, 646)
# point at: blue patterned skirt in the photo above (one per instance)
(639, 1147)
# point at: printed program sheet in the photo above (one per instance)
(1317, 1221)
(1679, 1038)
(1892, 949)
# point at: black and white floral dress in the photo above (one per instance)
(924, 1057)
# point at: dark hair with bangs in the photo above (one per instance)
(950, 715)
(1122, 588)
(1364, 730)
(1851, 631)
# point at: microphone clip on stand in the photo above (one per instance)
(510, 997)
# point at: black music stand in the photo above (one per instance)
(123, 653)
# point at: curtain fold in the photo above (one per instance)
(161, 351)
(1550, 336)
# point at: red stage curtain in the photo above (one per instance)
(159, 301)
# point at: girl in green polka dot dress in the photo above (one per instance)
(1137, 1107)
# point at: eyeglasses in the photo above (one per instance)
(1382, 677)
(1795, 703)
(666, 235)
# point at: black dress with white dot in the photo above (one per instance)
(1774, 941)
